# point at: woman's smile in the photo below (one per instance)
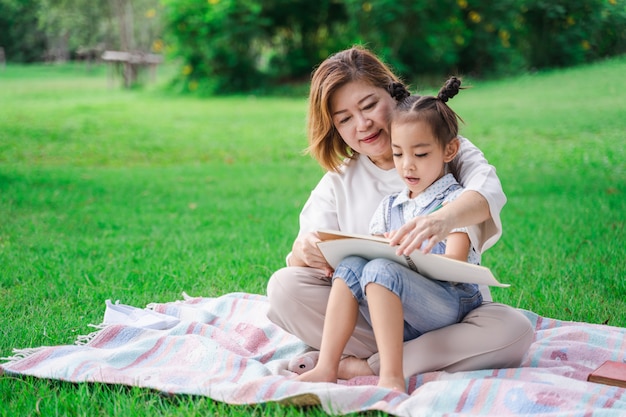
(371, 138)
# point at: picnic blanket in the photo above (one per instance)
(226, 349)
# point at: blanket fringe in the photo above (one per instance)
(83, 340)
(19, 354)
(186, 297)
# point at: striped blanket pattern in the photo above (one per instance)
(225, 348)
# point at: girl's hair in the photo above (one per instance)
(354, 64)
(432, 110)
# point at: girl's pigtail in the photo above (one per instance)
(450, 89)
(398, 91)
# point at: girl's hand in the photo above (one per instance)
(421, 232)
(390, 235)
(306, 253)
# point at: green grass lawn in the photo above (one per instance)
(140, 195)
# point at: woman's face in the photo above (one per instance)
(360, 113)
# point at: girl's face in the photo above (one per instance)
(360, 113)
(418, 156)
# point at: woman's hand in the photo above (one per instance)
(305, 252)
(432, 228)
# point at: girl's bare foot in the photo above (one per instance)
(351, 367)
(394, 383)
(318, 374)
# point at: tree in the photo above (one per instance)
(242, 45)
(20, 36)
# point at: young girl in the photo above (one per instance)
(400, 304)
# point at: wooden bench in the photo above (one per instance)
(131, 63)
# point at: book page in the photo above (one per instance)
(336, 247)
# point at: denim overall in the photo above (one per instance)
(427, 304)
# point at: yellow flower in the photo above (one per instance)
(187, 69)
(150, 13)
(193, 85)
(505, 37)
(367, 7)
(157, 45)
(613, 2)
(459, 40)
(462, 3)
(570, 21)
(474, 17)
(213, 2)
(586, 45)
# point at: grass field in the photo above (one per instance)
(140, 195)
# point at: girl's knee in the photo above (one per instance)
(349, 271)
(350, 268)
(382, 272)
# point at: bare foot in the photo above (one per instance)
(351, 367)
(318, 374)
(394, 383)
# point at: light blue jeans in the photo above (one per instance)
(427, 304)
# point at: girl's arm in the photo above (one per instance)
(457, 246)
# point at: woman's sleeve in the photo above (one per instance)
(320, 210)
(474, 172)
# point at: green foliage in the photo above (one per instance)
(568, 32)
(494, 37)
(79, 23)
(19, 33)
(489, 38)
(232, 45)
(415, 37)
(235, 45)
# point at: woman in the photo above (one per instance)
(350, 102)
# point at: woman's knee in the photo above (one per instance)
(294, 289)
(278, 284)
(515, 333)
(295, 283)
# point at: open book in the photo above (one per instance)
(337, 245)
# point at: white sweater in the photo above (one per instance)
(346, 201)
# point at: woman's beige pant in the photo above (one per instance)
(491, 336)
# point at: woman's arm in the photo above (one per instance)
(318, 212)
(305, 252)
(469, 208)
(474, 172)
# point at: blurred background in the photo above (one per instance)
(227, 46)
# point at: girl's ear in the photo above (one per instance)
(451, 150)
